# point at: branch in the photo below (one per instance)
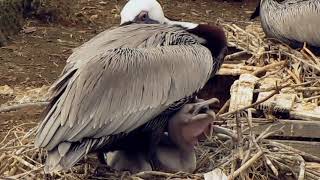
(21, 106)
(246, 165)
(256, 103)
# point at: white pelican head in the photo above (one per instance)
(148, 12)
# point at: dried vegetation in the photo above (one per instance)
(271, 71)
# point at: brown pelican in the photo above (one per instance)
(291, 21)
(119, 89)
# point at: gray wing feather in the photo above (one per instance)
(66, 154)
(121, 89)
(138, 35)
(292, 20)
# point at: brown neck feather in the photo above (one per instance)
(215, 37)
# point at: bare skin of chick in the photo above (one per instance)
(176, 150)
(173, 159)
(128, 161)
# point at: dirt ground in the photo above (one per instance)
(36, 56)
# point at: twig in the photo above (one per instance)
(246, 165)
(224, 107)
(232, 44)
(305, 155)
(239, 136)
(5, 138)
(302, 168)
(17, 138)
(21, 106)
(272, 133)
(247, 154)
(317, 173)
(203, 159)
(302, 60)
(235, 55)
(270, 73)
(254, 140)
(302, 89)
(7, 135)
(254, 104)
(311, 54)
(312, 98)
(22, 161)
(279, 162)
(294, 77)
(249, 119)
(146, 174)
(236, 69)
(225, 131)
(287, 85)
(18, 176)
(267, 67)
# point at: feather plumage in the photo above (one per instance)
(292, 21)
(124, 81)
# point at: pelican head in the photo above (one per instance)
(148, 12)
(143, 11)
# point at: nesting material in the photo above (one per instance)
(282, 102)
(306, 111)
(243, 155)
(25, 95)
(31, 95)
(242, 91)
(216, 174)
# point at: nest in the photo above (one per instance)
(232, 147)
